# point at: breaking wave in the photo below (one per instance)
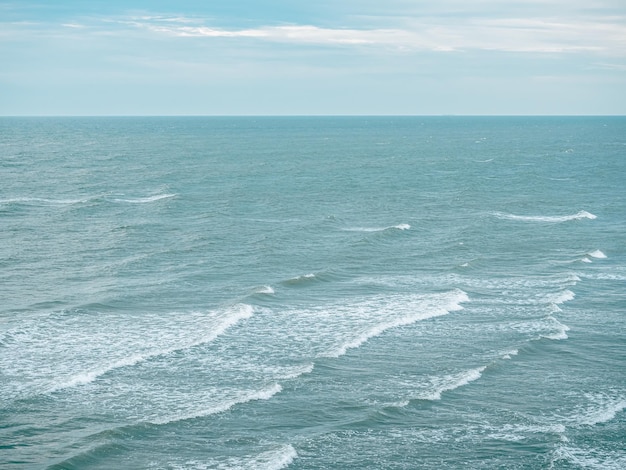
(545, 218)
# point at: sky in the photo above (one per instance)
(322, 57)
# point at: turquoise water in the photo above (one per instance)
(313, 293)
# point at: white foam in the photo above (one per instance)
(562, 297)
(544, 218)
(593, 458)
(237, 313)
(597, 254)
(586, 260)
(263, 394)
(601, 409)
(40, 200)
(378, 229)
(510, 354)
(560, 332)
(264, 290)
(450, 303)
(274, 459)
(452, 382)
(298, 371)
(144, 200)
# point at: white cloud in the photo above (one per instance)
(547, 35)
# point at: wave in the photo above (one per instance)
(274, 459)
(510, 354)
(300, 279)
(541, 218)
(602, 408)
(597, 254)
(241, 312)
(562, 297)
(264, 290)
(559, 332)
(378, 229)
(452, 382)
(451, 303)
(593, 457)
(263, 394)
(299, 371)
(148, 199)
(43, 201)
(547, 328)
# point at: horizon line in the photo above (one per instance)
(295, 115)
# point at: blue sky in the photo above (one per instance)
(277, 57)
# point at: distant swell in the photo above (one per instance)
(545, 218)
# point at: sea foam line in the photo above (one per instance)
(541, 218)
(41, 200)
(452, 382)
(450, 305)
(144, 200)
(602, 409)
(378, 229)
(263, 394)
(275, 459)
(242, 311)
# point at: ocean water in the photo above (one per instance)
(313, 293)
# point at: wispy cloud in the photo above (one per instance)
(548, 35)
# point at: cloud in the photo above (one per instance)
(605, 35)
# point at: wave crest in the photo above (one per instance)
(546, 218)
(145, 200)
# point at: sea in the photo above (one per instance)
(304, 293)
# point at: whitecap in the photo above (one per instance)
(510, 354)
(144, 200)
(263, 394)
(452, 382)
(601, 408)
(597, 254)
(559, 332)
(274, 459)
(264, 290)
(562, 297)
(450, 302)
(299, 371)
(277, 458)
(378, 229)
(42, 201)
(300, 279)
(545, 218)
(233, 316)
(594, 458)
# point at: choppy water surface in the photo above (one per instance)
(312, 293)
